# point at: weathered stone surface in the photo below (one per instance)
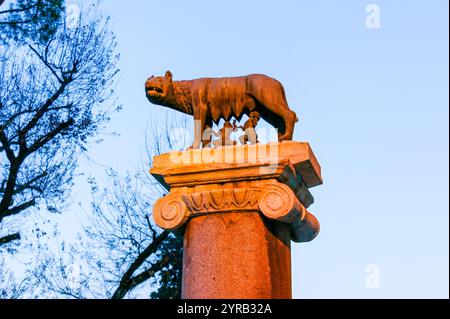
(236, 255)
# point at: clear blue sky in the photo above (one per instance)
(373, 103)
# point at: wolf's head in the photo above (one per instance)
(158, 88)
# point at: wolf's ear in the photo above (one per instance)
(169, 75)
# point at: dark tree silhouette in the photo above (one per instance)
(121, 248)
(138, 251)
(53, 88)
(52, 102)
(35, 20)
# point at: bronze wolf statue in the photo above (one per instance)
(210, 99)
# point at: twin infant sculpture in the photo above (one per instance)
(225, 132)
(212, 99)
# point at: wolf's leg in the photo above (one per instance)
(289, 118)
(199, 127)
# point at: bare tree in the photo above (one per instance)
(137, 250)
(52, 103)
(53, 85)
(122, 252)
(16, 289)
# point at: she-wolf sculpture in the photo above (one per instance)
(210, 99)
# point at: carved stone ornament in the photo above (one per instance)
(276, 201)
(223, 200)
(170, 211)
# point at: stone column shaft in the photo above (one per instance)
(236, 255)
